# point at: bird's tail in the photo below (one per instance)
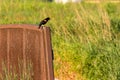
(39, 26)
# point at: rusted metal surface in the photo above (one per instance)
(24, 45)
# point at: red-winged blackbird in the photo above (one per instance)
(43, 22)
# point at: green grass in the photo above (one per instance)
(85, 36)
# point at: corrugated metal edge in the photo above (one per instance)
(48, 52)
(23, 26)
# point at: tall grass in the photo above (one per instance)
(85, 36)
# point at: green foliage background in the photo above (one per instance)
(85, 36)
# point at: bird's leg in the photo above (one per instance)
(41, 27)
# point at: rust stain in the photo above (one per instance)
(25, 45)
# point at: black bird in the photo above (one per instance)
(43, 22)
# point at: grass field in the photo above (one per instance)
(85, 36)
